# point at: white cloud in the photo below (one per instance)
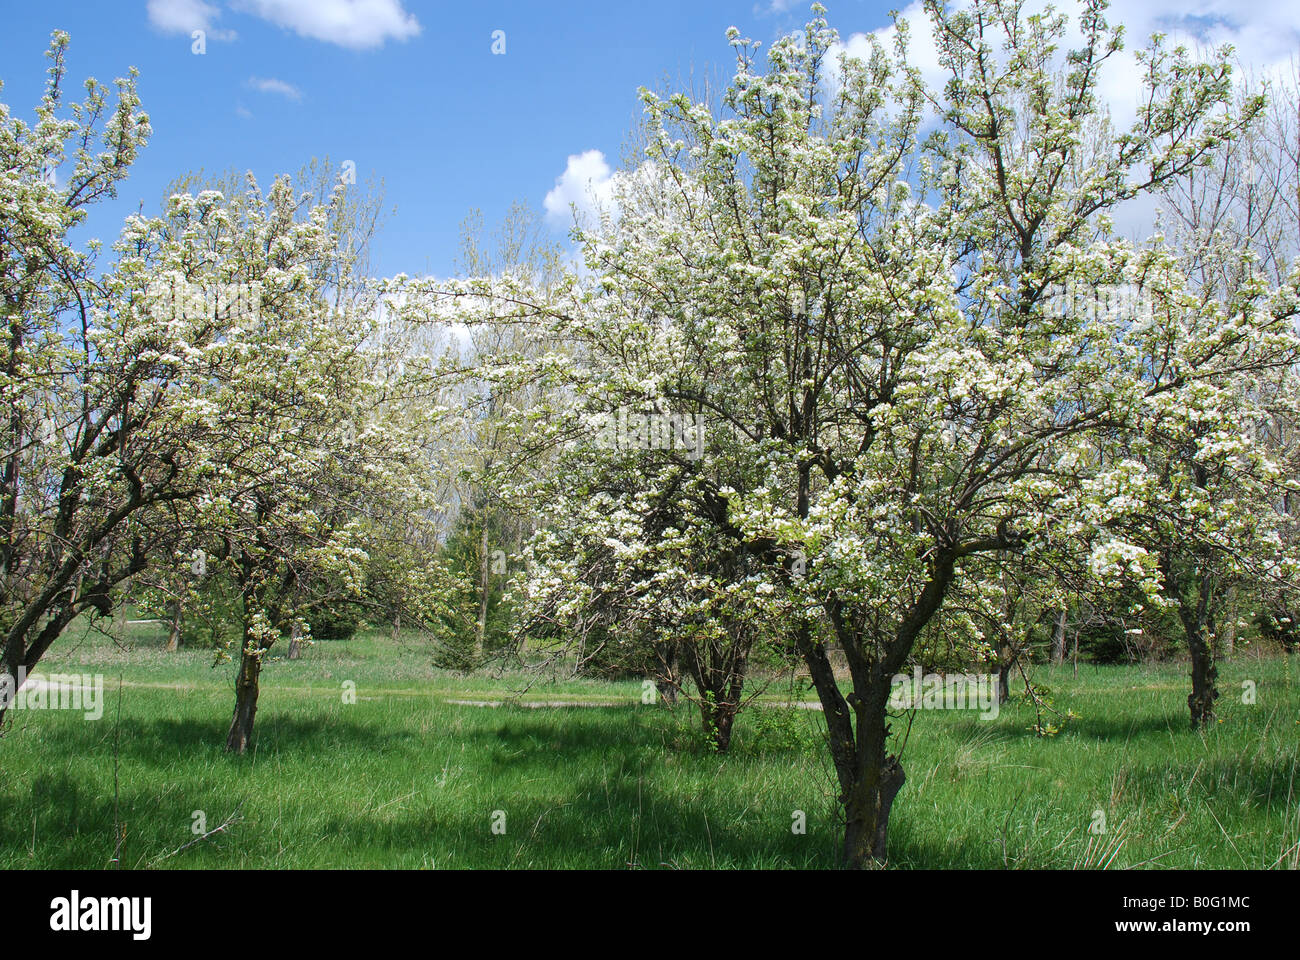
(272, 85)
(587, 183)
(186, 16)
(357, 24)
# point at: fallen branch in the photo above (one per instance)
(228, 822)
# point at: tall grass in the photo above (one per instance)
(403, 778)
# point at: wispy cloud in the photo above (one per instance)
(356, 24)
(186, 16)
(273, 85)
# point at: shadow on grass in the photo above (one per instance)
(604, 801)
(158, 741)
(618, 788)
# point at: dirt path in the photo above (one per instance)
(537, 704)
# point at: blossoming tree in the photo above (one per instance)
(85, 450)
(316, 424)
(848, 278)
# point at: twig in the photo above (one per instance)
(228, 822)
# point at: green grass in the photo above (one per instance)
(402, 778)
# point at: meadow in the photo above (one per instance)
(405, 778)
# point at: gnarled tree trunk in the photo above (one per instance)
(667, 678)
(866, 809)
(717, 667)
(1198, 625)
(1058, 640)
(857, 727)
(718, 717)
(1204, 675)
(869, 776)
(174, 629)
(246, 690)
(1006, 662)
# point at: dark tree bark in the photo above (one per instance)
(1058, 640)
(668, 690)
(667, 678)
(484, 586)
(1006, 663)
(246, 690)
(718, 720)
(869, 776)
(717, 668)
(1204, 689)
(1205, 674)
(858, 727)
(878, 778)
(253, 649)
(1198, 625)
(62, 605)
(174, 629)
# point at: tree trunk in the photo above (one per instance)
(295, 641)
(9, 675)
(869, 777)
(667, 680)
(718, 671)
(1204, 674)
(174, 632)
(874, 782)
(1230, 628)
(1006, 660)
(1197, 625)
(866, 830)
(668, 690)
(1058, 641)
(246, 689)
(21, 653)
(718, 716)
(480, 626)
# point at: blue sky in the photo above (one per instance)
(447, 124)
(411, 92)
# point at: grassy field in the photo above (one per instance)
(403, 778)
